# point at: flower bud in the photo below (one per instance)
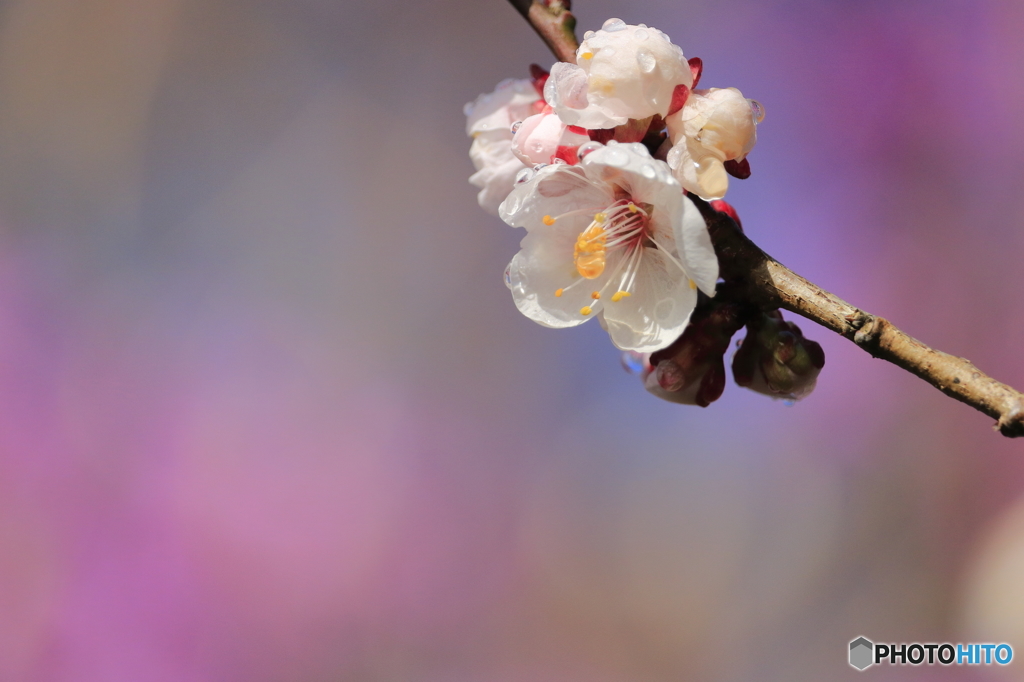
(691, 371)
(775, 359)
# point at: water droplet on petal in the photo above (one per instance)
(613, 25)
(647, 170)
(588, 147)
(513, 202)
(646, 61)
(757, 110)
(588, 35)
(525, 175)
(508, 275)
(616, 157)
(633, 362)
(789, 402)
(642, 34)
(539, 166)
(516, 126)
(608, 51)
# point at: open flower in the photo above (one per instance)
(713, 127)
(613, 236)
(488, 122)
(622, 72)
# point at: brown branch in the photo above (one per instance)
(771, 285)
(764, 281)
(554, 23)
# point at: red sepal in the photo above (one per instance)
(567, 154)
(539, 77)
(601, 135)
(738, 169)
(696, 67)
(679, 96)
(725, 207)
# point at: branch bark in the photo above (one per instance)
(766, 282)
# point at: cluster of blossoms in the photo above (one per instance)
(600, 162)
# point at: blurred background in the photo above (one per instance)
(267, 411)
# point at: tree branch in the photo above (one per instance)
(554, 23)
(762, 280)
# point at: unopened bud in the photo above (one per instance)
(691, 371)
(775, 359)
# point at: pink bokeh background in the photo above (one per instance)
(268, 413)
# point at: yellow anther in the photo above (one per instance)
(587, 55)
(596, 295)
(589, 252)
(619, 295)
(585, 310)
(693, 285)
(548, 220)
(600, 217)
(632, 207)
(558, 293)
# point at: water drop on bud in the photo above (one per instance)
(516, 126)
(633, 362)
(757, 110)
(525, 175)
(588, 147)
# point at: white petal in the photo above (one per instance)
(631, 72)
(495, 183)
(697, 251)
(537, 139)
(544, 266)
(658, 309)
(511, 101)
(553, 191)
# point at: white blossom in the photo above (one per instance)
(622, 72)
(488, 121)
(714, 126)
(615, 237)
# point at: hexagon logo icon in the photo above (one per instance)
(861, 653)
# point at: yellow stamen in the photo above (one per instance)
(589, 252)
(693, 285)
(548, 220)
(619, 295)
(587, 55)
(596, 295)
(558, 293)
(585, 310)
(600, 217)
(632, 207)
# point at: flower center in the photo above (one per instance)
(623, 224)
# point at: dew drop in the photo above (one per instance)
(516, 126)
(789, 402)
(646, 61)
(616, 157)
(757, 110)
(608, 51)
(588, 35)
(508, 275)
(539, 166)
(633, 362)
(642, 34)
(512, 202)
(525, 175)
(613, 25)
(588, 147)
(647, 170)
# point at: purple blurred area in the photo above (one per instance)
(267, 411)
